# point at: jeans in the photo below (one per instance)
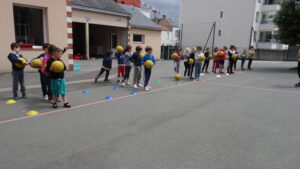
(147, 76)
(137, 74)
(230, 66)
(176, 66)
(243, 63)
(198, 66)
(18, 78)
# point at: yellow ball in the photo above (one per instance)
(177, 77)
(243, 55)
(120, 49)
(175, 56)
(215, 55)
(202, 58)
(21, 65)
(191, 61)
(221, 53)
(142, 56)
(252, 53)
(57, 66)
(211, 56)
(148, 64)
(234, 56)
(36, 63)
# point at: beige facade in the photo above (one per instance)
(55, 27)
(150, 38)
(99, 27)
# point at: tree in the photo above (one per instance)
(288, 22)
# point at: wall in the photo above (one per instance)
(197, 18)
(56, 26)
(151, 38)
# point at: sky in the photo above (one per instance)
(168, 7)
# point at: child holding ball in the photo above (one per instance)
(198, 63)
(58, 83)
(148, 56)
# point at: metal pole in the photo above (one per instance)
(181, 33)
(209, 36)
(214, 36)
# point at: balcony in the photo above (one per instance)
(271, 7)
(271, 45)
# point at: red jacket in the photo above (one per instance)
(223, 57)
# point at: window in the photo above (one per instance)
(114, 40)
(138, 38)
(267, 36)
(267, 17)
(221, 14)
(220, 32)
(29, 25)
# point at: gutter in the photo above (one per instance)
(101, 10)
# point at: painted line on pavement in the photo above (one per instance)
(114, 99)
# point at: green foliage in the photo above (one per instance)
(288, 22)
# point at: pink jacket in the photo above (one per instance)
(44, 64)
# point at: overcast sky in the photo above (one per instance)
(168, 7)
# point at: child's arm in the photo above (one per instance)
(153, 60)
(13, 58)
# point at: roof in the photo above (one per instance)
(139, 20)
(105, 6)
(165, 28)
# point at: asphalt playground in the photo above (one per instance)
(249, 120)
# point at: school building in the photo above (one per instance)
(86, 27)
(32, 23)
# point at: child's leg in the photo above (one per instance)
(139, 76)
(22, 83)
(64, 98)
(197, 70)
(43, 81)
(147, 76)
(100, 73)
(107, 75)
(15, 76)
(49, 88)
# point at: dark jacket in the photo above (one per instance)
(54, 75)
(206, 54)
(107, 62)
(136, 59)
(13, 58)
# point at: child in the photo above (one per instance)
(192, 57)
(250, 57)
(177, 61)
(127, 55)
(298, 84)
(186, 55)
(136, 59)
(148, 71)
(235, 59)
(207, 60)
(121, 65)
(17, 72)
(222, 59)
(58, 83)
(243, 58)
(231, 60)
(216, 61)
(198, 63)
(106, 66)
(43, 78)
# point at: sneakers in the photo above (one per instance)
(123, 84)
(128, 83)
(140, 85)
(135, 86)
(54, 106)
(67, 105)
(297, 85)
(147, 88)
(46, 98)
(96, 80)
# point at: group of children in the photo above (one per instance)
(53, 83)
(196, 60)
(125, 61)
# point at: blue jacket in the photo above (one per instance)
(121, 58)
(107, 62)
(136, 59)
(149, 57)
(13, 58)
